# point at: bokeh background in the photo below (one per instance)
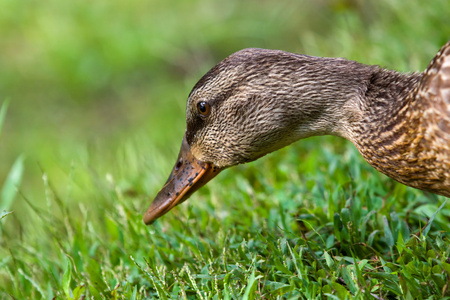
(96, 90)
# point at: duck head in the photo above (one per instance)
(242, 109)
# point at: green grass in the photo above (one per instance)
(85, 145)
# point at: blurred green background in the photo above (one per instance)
(88, 81)
(97, 93)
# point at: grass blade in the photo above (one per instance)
(11, 184)
(67, 276)
(33, 282)
(3, 110)
(251, 286)
(388, 233)
(430, 221)
(4, 214)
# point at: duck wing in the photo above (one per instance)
(434, 89)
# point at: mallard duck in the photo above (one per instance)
(257, 101)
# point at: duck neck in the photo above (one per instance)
(351, 100)
(386, 131)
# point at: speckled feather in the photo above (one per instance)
(262, 100)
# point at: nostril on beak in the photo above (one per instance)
(179, 164)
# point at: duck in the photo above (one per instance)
(257, 101)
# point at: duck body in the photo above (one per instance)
(405, 133)
(257, 101)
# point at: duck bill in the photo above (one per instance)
(187, 176)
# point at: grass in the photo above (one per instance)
(279, 234)
(83, 151)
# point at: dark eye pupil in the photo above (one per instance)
(203, 108)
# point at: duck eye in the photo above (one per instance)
(203, 108)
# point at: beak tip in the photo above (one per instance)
(188, 175)
(148, 219)
(148, 222)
